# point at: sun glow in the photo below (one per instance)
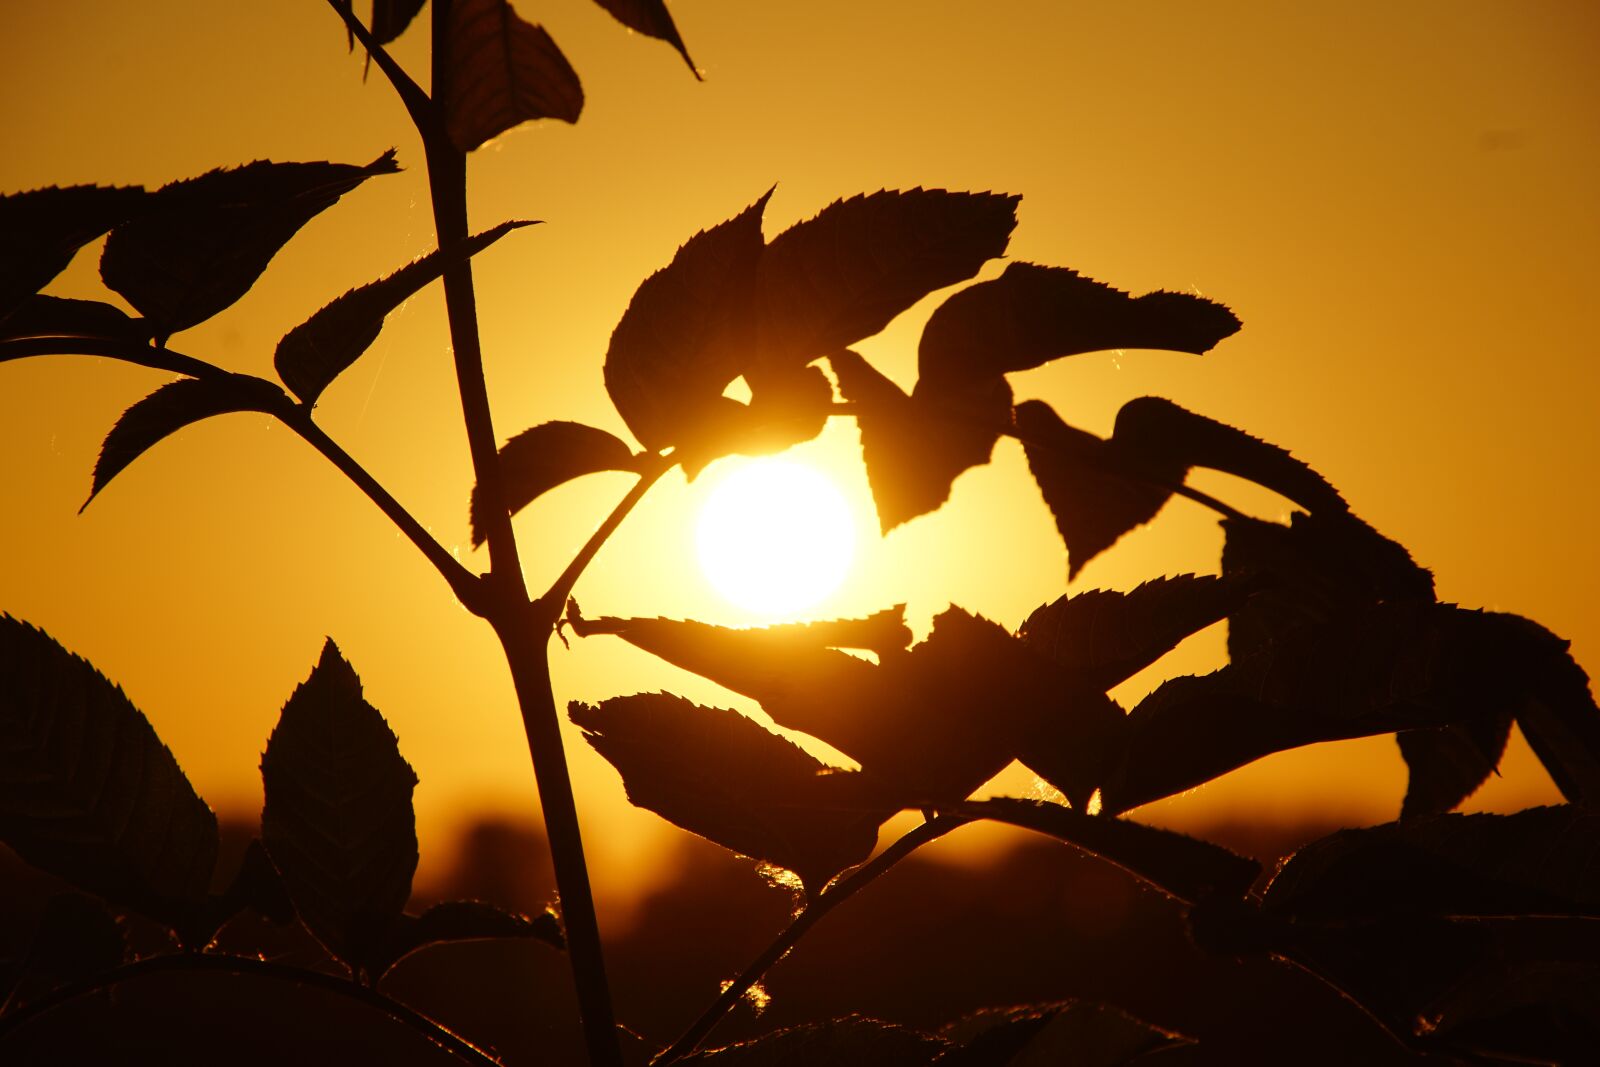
(775, 536)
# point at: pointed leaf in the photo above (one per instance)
(679, 344)
(87, 790)
(1032, 314)
(317, 351)
(54, 316)
(1080, 1033)
(720, 775)
(1076, 741)
(461, 920)
(391, 17)
(551, 454)
(1446, 764)
(502, 72)
(853, 1041)
(1181, 866)
(171, 408)
(1540, 861)
(44, 228)
(651, 18)
(338, 819)
(840, 277)
(915, 447)
(200, 244)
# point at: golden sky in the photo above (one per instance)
(1397, 199)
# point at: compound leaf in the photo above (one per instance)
(44, 228)
(171, 408)
(87, 790)
(550, 454)
(317, 351)
(502, 71)
(200, 244)
(338, 820)
(460, 920)
(651, 18)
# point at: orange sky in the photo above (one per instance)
(1398, 200)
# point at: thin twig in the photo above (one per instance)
(244, 965)
(561, 588)
(831, 898)
(424, 114)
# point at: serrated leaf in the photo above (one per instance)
(682, 339)
(1033, 314)
(54, 316)
(1392, 667)
(1080, 1033)
(915, 446)
(550, 454)
(460, 920)
(391, 17)
(502, 71)
(1181, 866)
(1541, 861)
(337, 819)
(840, 277)
(87, 790)
(788, 406)
(200, 244)
(171, 408)
(651, 18)
(317, 351)
(720, 775)
(853, 1041)
(1446, 764)
(42, 229)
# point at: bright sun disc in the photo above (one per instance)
(775, 536)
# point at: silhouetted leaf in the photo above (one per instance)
(679, 343)
(54, 316)
(1555, 705)
(1534, 1011)
(853, 1041)
(460, 920)
(200, 244)
(338, 819)
(1181, 866)
(1088, 487)
(42, 229)
(1539, 861)
(1105, 637)
(915, 446)
(651, 18)
(1079, 1033)
(87, 790)
(391, 17)
(1032, 314)
(1399, 666)
(75, 939)
(551, 454)
(835, 279)
(720, 775)
(1447, 764)
(258, 886)
(171, 408)
(502, 71)
(317, 351)
(1076, 741)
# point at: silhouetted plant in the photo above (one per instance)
(1467, 936)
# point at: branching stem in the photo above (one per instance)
(556, 596)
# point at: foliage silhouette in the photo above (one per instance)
(1334, 632)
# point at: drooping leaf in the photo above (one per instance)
(1540, 861)
(1088, 487)
(840, 277)
(853, 1041)
(915, 446)
(42, 229)
(1076, 741)
(317, 351)
(171, 408)
(550, 454)
(720, 775)
(681, 340)
(55, 316)
(337, 818)
(200, 244)
(651, 18)
(391, 17)
(1401, 666)
(1446, 764)
(460, 920)
(87, 790)
(1033, 314)
(502, 71)
(788, 406)
(1181, 866)
(1076, 1032)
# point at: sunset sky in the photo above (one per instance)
(1399, 201)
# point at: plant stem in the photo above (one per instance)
(243, 965)
(127, 351)
(831, 898)
(561, 588)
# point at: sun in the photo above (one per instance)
(775, 536)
